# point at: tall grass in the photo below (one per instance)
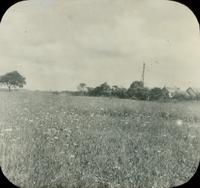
(52, 141)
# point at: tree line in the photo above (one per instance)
(137, 91)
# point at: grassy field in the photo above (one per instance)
(56, 141)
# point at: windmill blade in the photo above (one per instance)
(5, 5)
(193, 5)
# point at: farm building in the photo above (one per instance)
(193, 92)
(175, 92)
(171, 91)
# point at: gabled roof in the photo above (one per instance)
(172, 89)
(195, 90)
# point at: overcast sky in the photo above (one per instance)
(56, 44)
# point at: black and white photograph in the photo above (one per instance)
(99, 93)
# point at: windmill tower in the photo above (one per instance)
(143, 73)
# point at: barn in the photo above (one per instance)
(171, 91)
(193, 92)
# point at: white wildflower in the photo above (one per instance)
(179, 122)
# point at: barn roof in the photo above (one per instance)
(172, 89)
(195, 90)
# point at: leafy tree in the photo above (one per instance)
(102, 90)
(119, 92)
(138, 91)
(157, 94)
(82, 88)
(13, 80)
(137, 84)
(89, 90)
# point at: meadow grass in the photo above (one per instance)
(49, 140)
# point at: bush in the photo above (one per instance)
(157, 94)
(102, 90)
(119, 92)
(139, 93)
(181, 97)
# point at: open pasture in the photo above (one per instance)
(49, 140)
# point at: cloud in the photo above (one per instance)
(94, 41)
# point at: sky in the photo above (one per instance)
(57, 44)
